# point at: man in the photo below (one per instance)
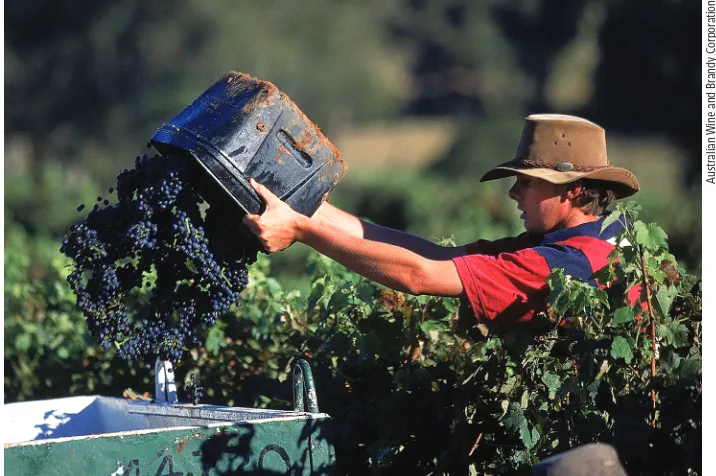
(563, 184)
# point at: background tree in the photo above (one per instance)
(648, 82)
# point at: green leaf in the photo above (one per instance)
(669, 361)
(23, 342)
(664, 331)
(493, 343)
(561, 304)
(623, 315)
(663, 299)
(529, 439)
(690, 369)
(525, 400)
(521, 458)
(674, 333)
(339, 300)
(365, 293)
(316, 295)
(273, 287)
(451, 305)
(430, 326)
(601, 297)
(658, 275)
(509, 386)
(650, 236)
(215, 340)
(570, 385)
(579, 301)
(515, 419)
(621, 349)
(631, 209)
(552, 381)
(611, 218)
(557, 284)
(63, 353)
(191, 266)
(604, 275)
(680, 335)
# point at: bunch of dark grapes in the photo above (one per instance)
(153, 271)
(193, 391)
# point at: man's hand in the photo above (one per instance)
(279, 225)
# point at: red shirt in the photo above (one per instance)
(505, 281)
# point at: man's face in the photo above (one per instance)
(542, 204)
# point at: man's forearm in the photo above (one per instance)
(333, 217)
(385, 263)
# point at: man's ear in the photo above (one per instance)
(571, 191)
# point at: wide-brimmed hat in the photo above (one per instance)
(562, 149)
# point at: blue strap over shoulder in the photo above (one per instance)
(574, 262)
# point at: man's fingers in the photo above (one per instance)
(263, 192)
(251, 221)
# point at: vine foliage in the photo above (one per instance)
(412, 383)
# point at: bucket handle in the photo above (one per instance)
(304, 388)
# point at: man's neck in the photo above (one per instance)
(576, 218)
(581, 219)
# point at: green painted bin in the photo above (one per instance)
(97, 435)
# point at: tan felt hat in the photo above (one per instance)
(562, 149)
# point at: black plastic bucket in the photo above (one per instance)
(243, 127)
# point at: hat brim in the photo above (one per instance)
(622, 182)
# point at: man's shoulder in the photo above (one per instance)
(580, 250)
(600, 230)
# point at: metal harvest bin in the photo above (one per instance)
(96, 435)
